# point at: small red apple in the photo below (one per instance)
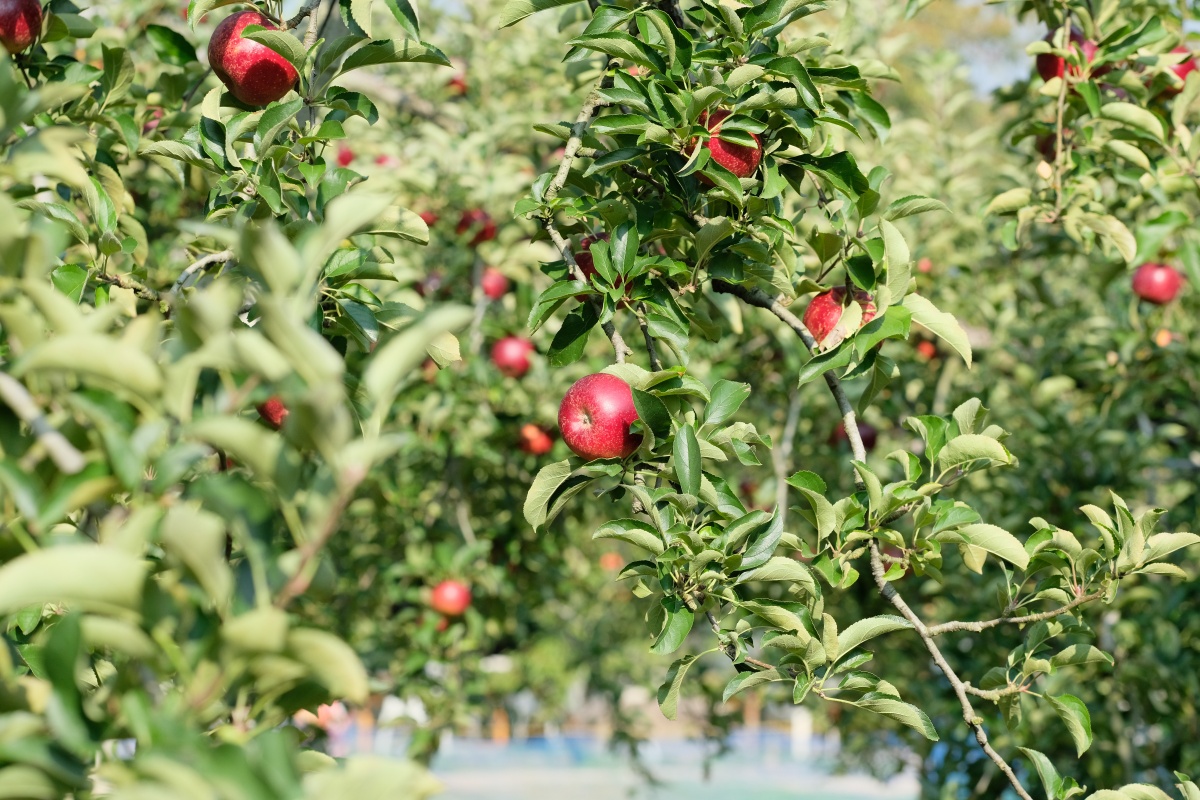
(493, 283)
(1181, 70)
(739, 159)
(153, 119)
(925, 265)
(926, 349)
(429, 218)
(611, 562)
(477, 218)
(511, 356)
(1157, 283)
(385, 160)
(1051, 66)
(457, 84)
(450, 598)
(345, 156)
(534, 440)
(1163, 337)
(825, 312)
(20, 24)
(866, 432)
(253, 72)
(273, 412)
(595, 416)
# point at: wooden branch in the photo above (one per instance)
(1026, 619)
(208, 261)
(127, 283)
(64, 454)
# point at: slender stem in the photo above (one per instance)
(301, 578)
(200, 265)
(760, 299)
(983, 625)
(309, 9)
(651, 350)
(130, 284)
(64, 454)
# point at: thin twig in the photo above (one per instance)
(651, 350)
(128, 283)
(64, 455)
(200, 265)
(974, 721)
(996, 694)
(300, 580)
(782, 454)
(983, 625)
(309, 8)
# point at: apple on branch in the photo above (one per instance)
(595, 416)
(253, 72)
(824, 315)
(1157, 283)
(450, 598)
(511, 356)
(20, 24)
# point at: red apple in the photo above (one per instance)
(739, 159)
(345, 156)
(825, 312)
(457, 85)
(253, 72)
(1163, 337)
(450, 598)
(926, 349)
(1051, 66)
(152, 121)
(865, 430)
(1181, 70)
(273, 412)
(494, 284)
(595, 416)
(925, 265)
(1157, 283)
(511, 355)
(477, 218)
(429, 218)
(20, 24)
(385, 160)
(611, 562)
(534, 440)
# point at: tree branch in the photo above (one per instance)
(64, 455)
(977, 627)
(309, 9)
(651, 350)
(760, 299)
(199, 266)
(125, 283)
(300, 580)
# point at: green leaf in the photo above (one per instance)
(687, 460)
(516, 10)
(866, 629)
(1051, 780)
(633, 531)
(913, 204)
(782, 568)
(727, 398)
(653, 412)
(668, 693)
(747, 680)
(330, 661)
(970, 448)
(394, 51)
(620, 45)
(548, 479)
(86, 576)
(902, 712)
(995, 540)
(710, 233)
(1135, 117)
(282, 42)
(567, 345)
(1081, 654)
(170, 46)
(273, 120)
(1075, 716)
(678, 625)
(939, 323)
(1009, 202)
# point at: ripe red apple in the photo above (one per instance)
(345, 156)
(153, 119)
(429, 218)
(1182, 70)
(273, 412)
(385, 160)
(458, 84)
(1051, 66)
(511, 356)
(925, 265)
(825, 312)
(595, 416)
(534, 440)
(611, 562)
(253, 72)
(927, 349)
(494, 284)
(477, 218)
(20, 24)
(866, 431)
(737, 158)
(450, 598)
(1157, 283)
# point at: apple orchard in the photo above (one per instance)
(761, 354)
